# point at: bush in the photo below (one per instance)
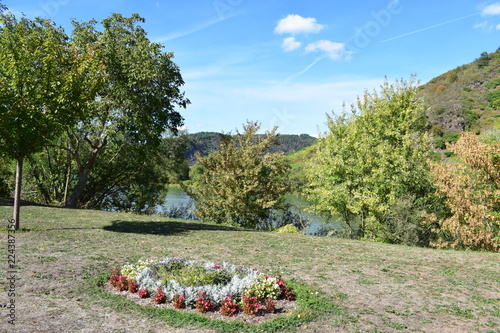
(229, 306)
(288, 229)
(263, 287)
(241, 183)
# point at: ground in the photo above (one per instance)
(380, 287)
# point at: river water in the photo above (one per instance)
(316, 225)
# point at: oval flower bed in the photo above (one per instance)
(209, 288)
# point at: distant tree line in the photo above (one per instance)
(203, 143)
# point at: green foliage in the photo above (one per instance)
(40, 84)
(42, 80)
(264, 287)
(241, 183)
(370, 159)
(6, 176)
(194, 275)
(288, 229)
(447, 137)
(133, 108)
(116, 157)
(494, 98)
(464, 104)
(493, 84)
(203, 143)
(483, 60)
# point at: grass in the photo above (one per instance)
(362, 286)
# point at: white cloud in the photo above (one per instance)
(498, 27)
(295, 24)
(493, 9)
(290, 44)
(333, 50)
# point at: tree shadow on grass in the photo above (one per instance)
(164, 228)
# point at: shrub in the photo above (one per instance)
(203, 303)
(264, 287)
(143, 293)
(132, 286)
(250, 305)
(229, 306)
(288, 229)
(471, 191)
(179, 301)
(270, 305)
(151, 278)
(242, 182)
(285, 292)
(160, 296)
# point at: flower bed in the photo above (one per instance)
(206, 287)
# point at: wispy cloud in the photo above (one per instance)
(295, 24)
(333, 50)
(430, 27)
(491, 10)
(290, 44)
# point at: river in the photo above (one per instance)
(178, 202)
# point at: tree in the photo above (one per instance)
(372, 158)
(134, 106)
(123, 178)
(40, 84)
(471, 189)
(241, 183)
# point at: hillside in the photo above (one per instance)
(375, 287)
(465, 98)
(205, 142)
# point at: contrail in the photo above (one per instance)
(305, 69)
(433, 26)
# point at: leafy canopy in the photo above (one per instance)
(241, 182)
(371, 158)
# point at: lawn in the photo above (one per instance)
(375, 287)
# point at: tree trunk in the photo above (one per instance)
(17, 192)
(83, 176)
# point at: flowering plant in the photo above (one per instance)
(159, 296)
(250, 305)
(270, 305)
(263, 287)
(202, 286)
(143, 293)
(203, 303)
(229, 306)
(179, 302)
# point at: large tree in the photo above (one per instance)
(372, 159)
(136, 103)
(123, 178)
(241, 182)
(41, 94)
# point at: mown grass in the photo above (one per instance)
(362, 286)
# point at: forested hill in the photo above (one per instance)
(205, 142)
(465, 98)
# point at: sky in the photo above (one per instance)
(290, 63)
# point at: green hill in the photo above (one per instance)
(465, 98)
(205, 142)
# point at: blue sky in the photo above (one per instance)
(289, 63)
